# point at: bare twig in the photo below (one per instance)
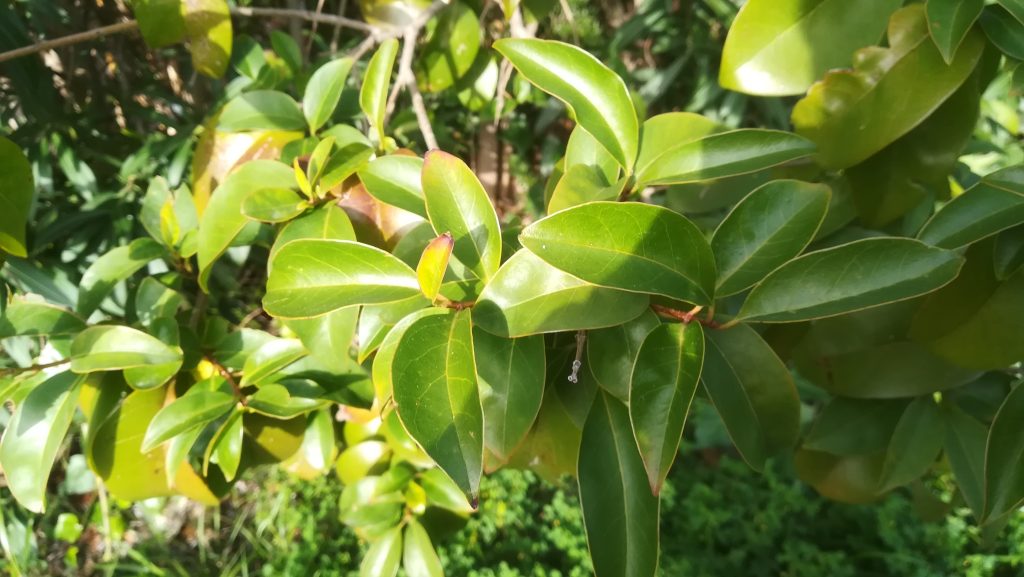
(410, 34)
(421, 116)
(33, 368)
(306, 15)
(312, 31)
(78, 38)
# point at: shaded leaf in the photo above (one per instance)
(511, 379)
(261, 110)
(111, 268)
(16, 192)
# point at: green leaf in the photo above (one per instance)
(312, 277)
(273, 205)
(31, 318)
(994, 204)
(847, 479)
(662, 387)
(373, 95)
(630, 246)
(328, 337)
(1004, 478)
(209, 34)
(345, 162)
(582, 183)
(663, 133)
(268, 360)
(395, 180)
(458, 204)
(611, 353)
(722, 154)
(848, 427)
(188, 412)
(949, 21)
(115, 348)
(1004, 31)
(328, 222)
(965, 447)
(384, 556)
(287, 399)
(511, 373)
(850, 277)
(261, 110)
(161, 22)
(418, 556)
(433, 264)
(780, 47)
(287, 48)
(228, 445)
(528, 296)
(852, 114)
(16, 192)
(375, 321)
(596, 96)
(1009, 252)
(769, 227)
(222, 221)
(619, 511)
(34, 435)
(437, 396)
(584, 149)
(915, 444)
(111, 268)
(450, 49)
(753, 393)
(154, 300)
(323, 92)
(318, 443)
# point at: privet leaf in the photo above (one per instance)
(395, 180)
(852, 114)
(313, 277)
(597, 96)
(511, 373)
(780, 47)
(115, 348)
(915, 444)
(528, 296)
(34, 435)
(752, 391)
(769, 227)
(111, 268)
(630, 246)
(261, 110)
(663, 383)
(994, 204)
(850, 277)
(949, 21)
(612, 352)
(1004, 479)
(373, 96)
(457, 203)
(436, 392)
(323, 91)
(619, 512)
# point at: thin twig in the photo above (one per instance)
(312, 31)
(306, 15)
(421, 116)
(250, 317)
(690, 316)
(406, 77)
(70, 39)
(33, 368)
(577, 362)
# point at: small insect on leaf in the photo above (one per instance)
(433, 264)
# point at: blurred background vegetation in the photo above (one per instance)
(100, 119)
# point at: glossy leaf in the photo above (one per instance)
(436, 392)
(313, 277)
(188, 412)
(223, 221)
(384, 556)
(723, 154)
(511, 375)
(373, 96)
(457, 204)
(328, 337)
(584, 149)
(619, 512)
(16, 192)
(433, 264)
(155, 300)
(270, 359)
(850, 277)
(261, 110)
(662, 387)
(418, 556)
(273, 205)
(114, 348)
(769, 227)
(630, 246)
(450, 49)
(612, 352)
(228, 445)
(1004, 30)
(160, 21)
(780, 47)
(395, 180)
(328, 222)
(915, 444)
(209, 33)
(581, 183)
(34, 435)
(528, 296)
(1009, 252)
(596, 95)
(375, 321)
(1004, 480)
(949, 21)
(753, 393)
(852, 114)
(111, 268)
(287, 399)
(663, 133)
(964, 444)
(31, 318)
(323, 92)
(994, 204)
(849, 427)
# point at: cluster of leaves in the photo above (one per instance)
(576, 343)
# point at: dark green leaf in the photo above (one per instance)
(16, 192)
(1004, 478)
(949, 21)
(450, 49)
(418, 556)
(111, 268)
(994, 204)
(848, 427)
(32, 318)
(611, 353)
(915, 444)
(964, 444)
(1004, 31)
(511, 373)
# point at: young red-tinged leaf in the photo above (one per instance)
(433, 264)
(593, 92)
(662, 387)
(312, 277)
(629, 246)
(458, 204)
(437, 395)
(619, 511)
(34, 435)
